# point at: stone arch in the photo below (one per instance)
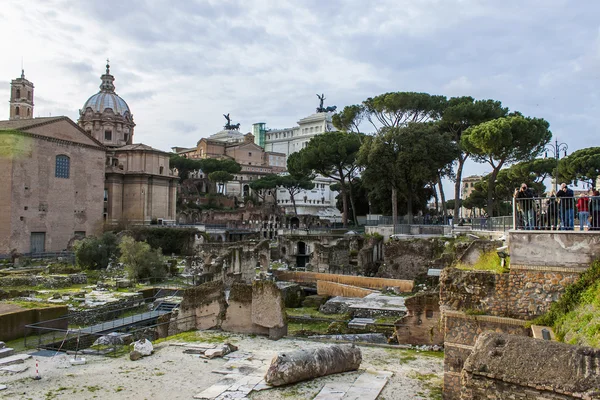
(294, 223)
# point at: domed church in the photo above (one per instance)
(139, 186)
(106, 116)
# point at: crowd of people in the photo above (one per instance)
(558, 209)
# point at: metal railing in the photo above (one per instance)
(557, 213)
(135, 319)
(499, 224)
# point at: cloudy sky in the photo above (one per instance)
(180, 65)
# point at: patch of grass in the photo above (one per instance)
(431, 382)
(489, 261)
(313, 313)
(93, 388)
(308, 328)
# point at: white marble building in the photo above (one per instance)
(321, 200)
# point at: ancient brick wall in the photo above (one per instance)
(524, 292)
(423, 321)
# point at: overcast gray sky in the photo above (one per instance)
(180, 65)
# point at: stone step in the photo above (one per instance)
(5, 352)
(16, 359)
(2, 345)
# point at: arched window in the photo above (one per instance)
(28, 114)
(17, 110)
(29, 95)
(18, 96)
(161, 169)
(63, 166)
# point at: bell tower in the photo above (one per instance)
(21, 98)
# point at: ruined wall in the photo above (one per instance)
(202, 307)
(411, 258)
(234, 262)
(423, 321)
(325, 258)
(461, 332)
(503, 366)
(256, 308)
(524, 292)
(239, 312)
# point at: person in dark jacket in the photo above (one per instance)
(524, 197)
(595, 210)
(552, 211)
(566, 206)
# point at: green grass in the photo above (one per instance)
(489, 261)
(313, 313)
(575, 317)
(308, 328)
(431, 382)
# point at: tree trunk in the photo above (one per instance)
(394, 208)
(301, 365)
(457, 197)
(491, 189)
(442, 197)
(409, 208)
(350, 194)
(436, 199)
(344, 206)
(293, 203)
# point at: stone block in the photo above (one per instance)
(267, 305)
(314, 301)
(6, 352)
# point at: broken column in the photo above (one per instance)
(301, 365)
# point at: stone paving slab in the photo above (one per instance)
(6, 352)
(17, 359)
(366, 387)
(15, 368)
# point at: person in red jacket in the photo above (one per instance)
(584, 212)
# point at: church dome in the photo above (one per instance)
(107, 98)
(103, 100)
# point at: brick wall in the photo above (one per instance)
(524, 292)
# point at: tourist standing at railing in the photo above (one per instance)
(524, 197)
(583, 210)
(552, 211)
(566, 205)
(595, 210)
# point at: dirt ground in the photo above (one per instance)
(171, 374)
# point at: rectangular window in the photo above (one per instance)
(38, 242)
(429, 314)
(107, 135)
(62, 166)
(105, 194)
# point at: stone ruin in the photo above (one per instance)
(504, 366)
(228, 262)
(256, 308)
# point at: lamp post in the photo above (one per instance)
(555, 149)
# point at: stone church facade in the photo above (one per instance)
(63, 180)
(52, 184)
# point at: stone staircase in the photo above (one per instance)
(166, 306)
(8, 357)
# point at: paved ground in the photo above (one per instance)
(171, 374)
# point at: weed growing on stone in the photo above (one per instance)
(489, 261)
